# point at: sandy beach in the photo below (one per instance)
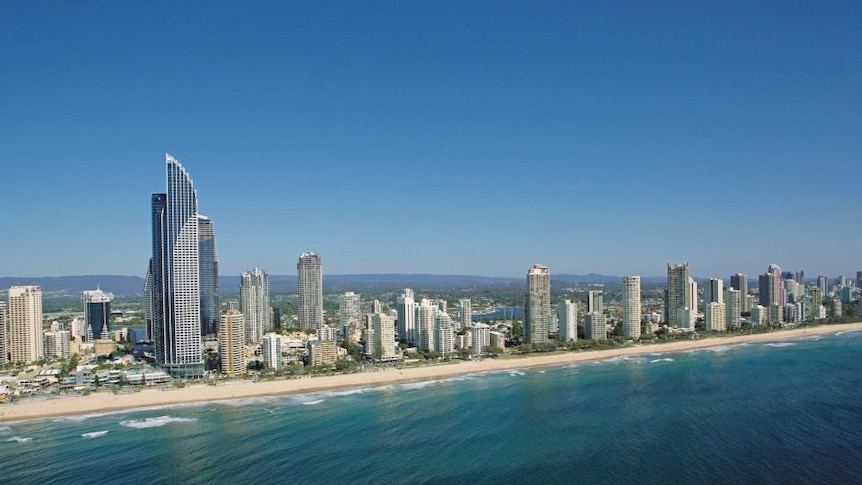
(106, 401)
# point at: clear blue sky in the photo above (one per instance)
(439, 137)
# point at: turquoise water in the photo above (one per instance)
(781, 412)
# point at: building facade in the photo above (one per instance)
(632, 307)
(173, 281)
(25, 324)
(309, 272)
(406, 307)
(270, 350)
(465, 313)
(567, 314)
(537, 314)
(739, 281)
(208, 271)
(231, 343)
(384, 337)
(97, 314)
(678, 294)
(350, 312)
(255, 305)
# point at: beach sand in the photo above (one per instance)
(106, 401)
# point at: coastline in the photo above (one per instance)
(107, 402)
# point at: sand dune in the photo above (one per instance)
(106, 401)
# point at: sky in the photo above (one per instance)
(436, 137)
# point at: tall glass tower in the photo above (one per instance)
(537, 314)
(97, 313)
(310, 290)
(254, 291)
(208, 259)
(174, 279)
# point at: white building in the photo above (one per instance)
(406, 307)
(426, 317)
(567, 314)
(25, 324)
(57, 344)
(715, 319)
(4, 356)
(444, 337)
(465, 313)
(595, 326)
(270, 350)
(759, 315)
(498, 340)
(537, 313)
(350, 311)
(733, 308)
(632, 307)
(326, 333)
(255, 304)
(481, 338)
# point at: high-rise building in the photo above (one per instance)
(350, 311)
(733, 308)
(859, 279)
(678, 294)
(465, 313)
(325, 333)
(537, 315)
(310, 289)
(376, 307)
(97, 313)
(567, 314)
(25, 324)
(406, 306)
(4, 353)
(322, 352)
(426, 316)
(444, 337)
(595, 303)
(231, 343)
(595, 326)
(632, 307)
(713, 291)
(714, 318)
(174, 279)
(255, 304)
(481, 338)
(208, 271)
(383, 336)
(270, 350)
(56, 344)
(739, 281)
(772, 287)
(823, 284)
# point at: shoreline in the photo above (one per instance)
(106, 402)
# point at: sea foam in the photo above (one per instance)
(94, 434)
(156, 422)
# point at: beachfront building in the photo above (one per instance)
(733, 308)
(678, 294)
(481, 338)
(231, 343)
(322, 353)
(309, 282)
(270, 350)
(714, 317)
(383, 336)
(326, 333)
(772, 287)
(739, 281)
(465, 313)
(498, 340)
(444, 333)
(406, 307)
(173, 277)
(208, 271)
(567, 314)
(632, 307)
(97, 314)
(595, 326)
(426, 317)
(25, 324)
(254, 303)
(537, 314)
(57, 344)
(4, 353)
(759, 315)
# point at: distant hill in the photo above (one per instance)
(134, 285)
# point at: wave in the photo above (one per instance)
(779, 344)
(845, 332)
(18, 439)
(5, 430)
(94, 434)
(312, 403)
(666, 359)
(156, 422)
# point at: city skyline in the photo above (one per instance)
(436, 112)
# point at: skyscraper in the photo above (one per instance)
(406, 307)
(713, 291)
(25, 324)
(537, 314)
(678, 294)
(4, 354)
(174, 275)
(632, 307)
(733, 308)
(465, 313)
(231, 343)
(772, 287)
(384, 336)
(739, 282)
(208, 270)
(270, 350)
(350, 311)
(567, 314)
(595, 303)
(97, 313)
(426, 317)
(254, 293)
(310, 290)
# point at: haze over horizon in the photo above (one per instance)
(437, 138)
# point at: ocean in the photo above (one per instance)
(778, 412)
